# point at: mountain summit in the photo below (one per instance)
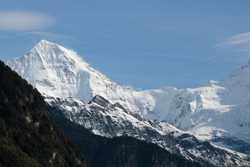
(218, 111)
(54, 70)
(58, 72)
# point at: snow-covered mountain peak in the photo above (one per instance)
(45, 43)
(238, 80)
(210, 83)
(167, 89)
(218, 108)
(54, 70)
(44, 50)
(59, 72)
(53, 53)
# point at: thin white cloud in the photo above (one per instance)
(45, 35)
(212, 57)
(24, 21)
(235, 46)
(237, 39)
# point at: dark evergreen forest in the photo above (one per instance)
(28, 135)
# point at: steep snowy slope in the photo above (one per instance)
(217, 111)
(59, 72)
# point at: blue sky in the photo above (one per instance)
(143, 44)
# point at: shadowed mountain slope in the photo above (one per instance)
(28, 135)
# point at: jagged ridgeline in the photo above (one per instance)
(28, 135)
(118, 151)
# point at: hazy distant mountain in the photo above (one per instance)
(217, 111)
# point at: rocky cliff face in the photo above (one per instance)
(123, 151)
(112, 120)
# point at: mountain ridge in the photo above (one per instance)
(106, 119)
(64, 77)
(118, 151)
(214, 112)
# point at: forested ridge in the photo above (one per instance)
(28, 135)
